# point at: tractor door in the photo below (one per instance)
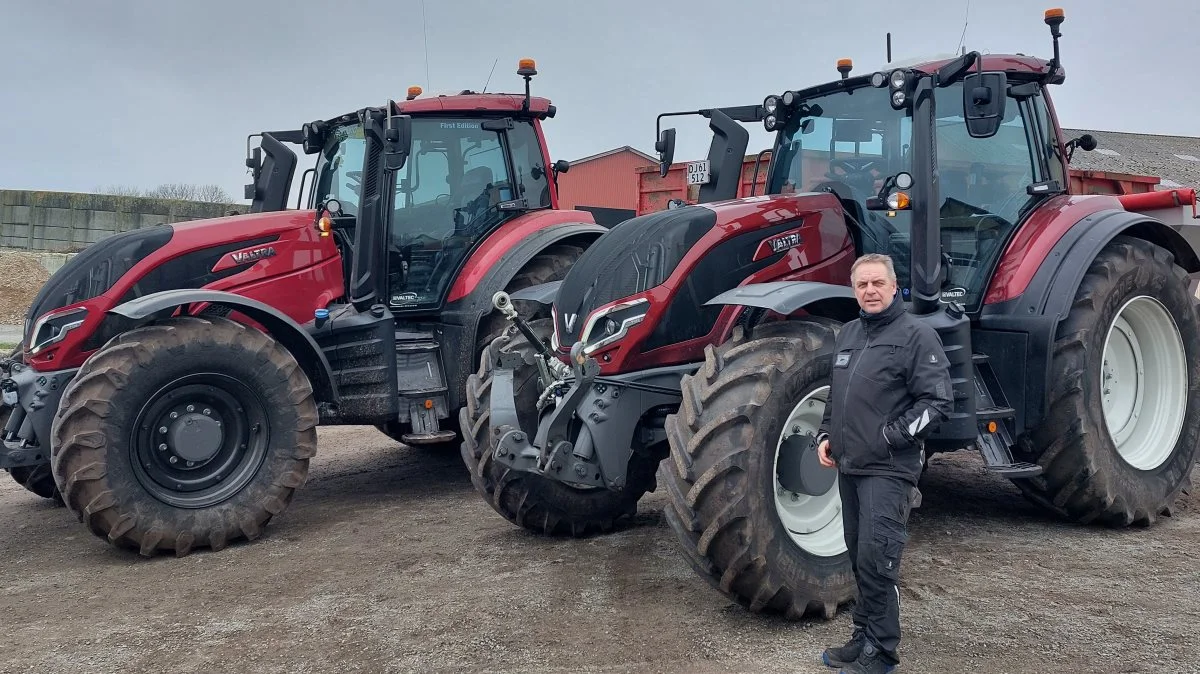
(464, 178)
(983, 181)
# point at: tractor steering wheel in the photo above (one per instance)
(860, 173)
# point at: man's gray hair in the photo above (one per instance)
(878, 258)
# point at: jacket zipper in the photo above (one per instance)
(850, 377)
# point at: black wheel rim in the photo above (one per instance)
(199, 440)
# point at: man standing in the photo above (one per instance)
(890, 388)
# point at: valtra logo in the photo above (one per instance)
(255, 254)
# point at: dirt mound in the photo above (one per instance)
(21, 277)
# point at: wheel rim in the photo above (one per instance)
(813, 523)
(199, 440)
(1143, 384)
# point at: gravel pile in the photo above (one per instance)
(21, 277)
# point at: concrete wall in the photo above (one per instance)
(70, 221)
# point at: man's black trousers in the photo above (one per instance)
(875, 513)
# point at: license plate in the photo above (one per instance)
(697, 172)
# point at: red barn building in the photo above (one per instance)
(605, 184)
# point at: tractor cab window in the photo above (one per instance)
(446, 198)
(531, 177)
(982, 185)
(848, 143)
(339, 167)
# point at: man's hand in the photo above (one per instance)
(823, 455)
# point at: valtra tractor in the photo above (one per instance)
(699, 340)
(171, 378)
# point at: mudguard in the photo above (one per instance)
(784, 297)
(288, 332)
(1052, 289)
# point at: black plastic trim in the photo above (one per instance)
(289, 333)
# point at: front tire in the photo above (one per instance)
(1120, 438)
(191, 433)
(539, 504)
(737, 526)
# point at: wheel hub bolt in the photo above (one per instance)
(190, 464)
(191, 408)
(173, 460)
(207, 411)
(162, 447)
(162, 429)
(174, 415)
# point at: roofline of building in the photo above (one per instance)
(1068, 131)
(615, 150)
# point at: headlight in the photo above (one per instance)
(612, 324)
(770, 123)
(771, 104)
(898, 79)
(53, 328)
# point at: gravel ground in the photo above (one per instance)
(21, 277)
(387, 561)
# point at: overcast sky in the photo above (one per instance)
(144, 92)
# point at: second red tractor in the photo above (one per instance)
(171, 378)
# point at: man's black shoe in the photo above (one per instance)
(870, 661)
(844, 655)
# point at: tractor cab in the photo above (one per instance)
(410, 189)
(975, 137)
(867, 140)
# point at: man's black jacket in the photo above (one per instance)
(891, 388)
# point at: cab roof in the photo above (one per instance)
(469, 101)
(1018, 64)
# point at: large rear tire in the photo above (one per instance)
(538, 504)
(1120, 438)
(768, 549)
(187, 434)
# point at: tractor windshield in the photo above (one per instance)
(850, 141)
(462, 180)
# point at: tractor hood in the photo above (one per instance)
(182, 255)
(633, 257)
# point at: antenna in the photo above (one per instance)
(889, 48)
(961, 48)
(425, 37)
(489, 79)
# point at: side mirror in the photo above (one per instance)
(562, 166)
(984, 95)
(1086, 142)
(397, 138)
(666, 151)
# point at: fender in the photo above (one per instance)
(1052, 289)
(1027, 325)
(288, 332)
(786, 297)
(462, 317)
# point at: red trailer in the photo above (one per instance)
(654, 191)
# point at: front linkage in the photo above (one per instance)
(588, 437)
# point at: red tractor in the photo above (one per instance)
(172, 377)
(698, 341)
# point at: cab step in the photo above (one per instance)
(995, 413)
(434, 438)
(1019, 469)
